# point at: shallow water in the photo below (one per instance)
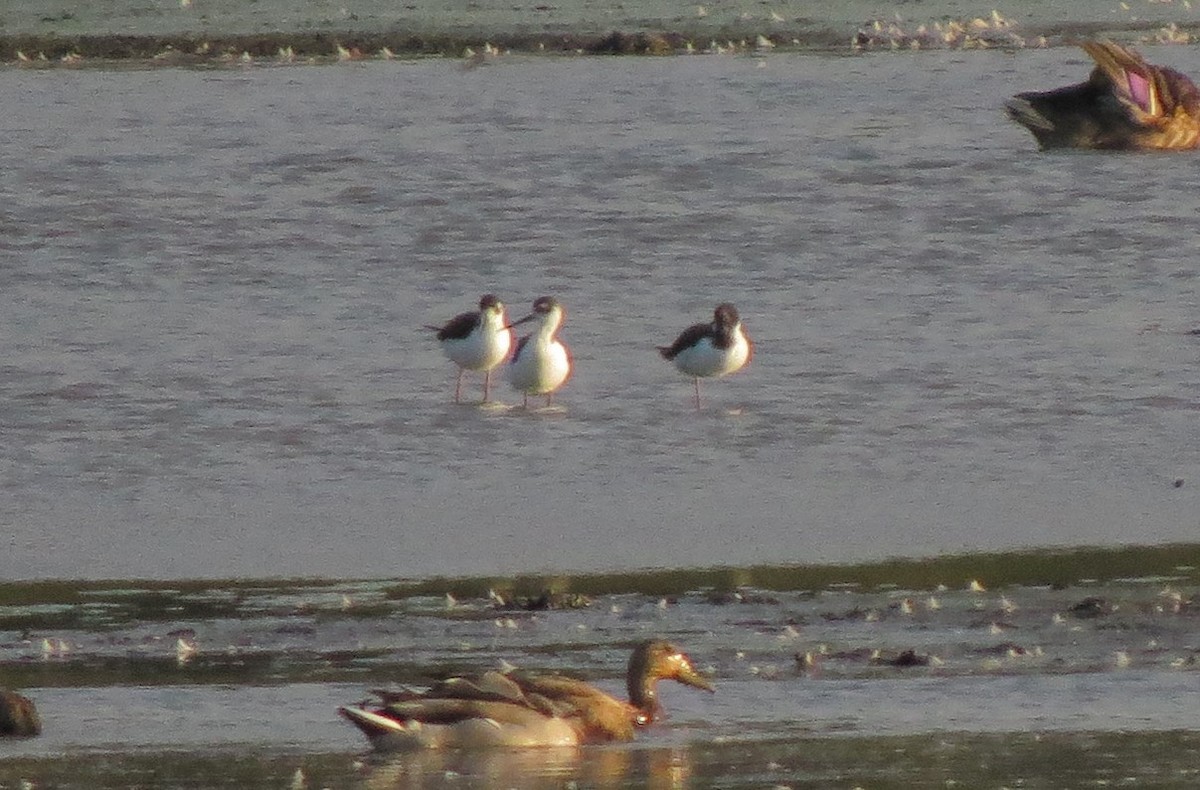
(214, 289)
(955, 759)
(1070, 684)
(215, 364)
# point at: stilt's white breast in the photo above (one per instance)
(485, 347)
(704, 360)
(540, 367)
(541, 363)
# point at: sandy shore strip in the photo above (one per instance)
(214, 31)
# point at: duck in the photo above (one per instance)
(513, 709)
(712, 349)
(542, 363)
(1126, 104)
(476, 340)
(18, 716)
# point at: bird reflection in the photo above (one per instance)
(667, 768)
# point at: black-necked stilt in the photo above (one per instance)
(715, 349)
(541, 364)
(478, 340)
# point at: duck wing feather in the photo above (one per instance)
(602, 717)
(1164, 102)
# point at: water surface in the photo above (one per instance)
(818, 683)
(214, 288)
(217, 281)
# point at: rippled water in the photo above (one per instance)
(216, 284)
(214, 288)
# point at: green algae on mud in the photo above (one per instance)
(200, 50)
(1049, 567)
(191, 49)
(166, 601)
(76, 591)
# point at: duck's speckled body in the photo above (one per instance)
(515, 709)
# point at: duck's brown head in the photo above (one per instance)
(651, 662)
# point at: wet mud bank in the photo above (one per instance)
(749, 36)
(1083, 610)
(1086, 658)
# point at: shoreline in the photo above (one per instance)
(1055, 566)
(189, 48)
